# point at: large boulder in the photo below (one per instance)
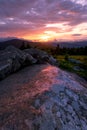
(41, 56)
(12, 59)
(5, 69)
(52, 60)
(29, 60)
(9, 61)
(23, 58)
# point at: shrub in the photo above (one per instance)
(66, 57)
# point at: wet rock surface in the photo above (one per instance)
(49, 99)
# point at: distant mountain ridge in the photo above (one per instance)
(7, 39)
(18, 43)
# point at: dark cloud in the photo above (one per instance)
(35, 14)
(76, 35)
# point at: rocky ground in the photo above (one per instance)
(43, 97)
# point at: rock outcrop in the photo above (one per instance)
(74, 61)
(12, 59)
(41, 56)
(50, 99)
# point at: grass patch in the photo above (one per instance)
(82, 74)
(67, 65)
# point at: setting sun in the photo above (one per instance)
(44, 38)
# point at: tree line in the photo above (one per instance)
(58, 50)
(71, 51)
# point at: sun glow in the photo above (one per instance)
(64, 32)
(44, 38)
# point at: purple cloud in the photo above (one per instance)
(31, 15)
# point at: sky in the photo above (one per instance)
(44, 20)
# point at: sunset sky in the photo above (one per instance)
(44, 20)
